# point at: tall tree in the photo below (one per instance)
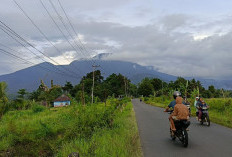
(67, 87)
(145, 87)
(157, 84)
(22, 93)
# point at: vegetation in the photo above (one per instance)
(188, 88)
(220, 110)
(29, 126)
(92, 130)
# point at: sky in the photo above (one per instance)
(178, 37)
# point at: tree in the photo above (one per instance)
(212, 90)
(53, 93)
(22, 93)
(34, 95)
(115, 84)
(145, 87)
(98, 78)
(67, 87)
(88, 81)
(157, 84)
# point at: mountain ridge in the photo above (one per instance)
(29, 78)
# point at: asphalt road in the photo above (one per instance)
(204, 141)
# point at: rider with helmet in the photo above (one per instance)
(196, 104)
(173, 103)
(180, 112)
(201, 105)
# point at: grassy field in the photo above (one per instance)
(92, 130)
(220, 110)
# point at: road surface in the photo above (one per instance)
(204, 141)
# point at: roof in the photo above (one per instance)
(62, 98)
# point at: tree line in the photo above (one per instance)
(189, 88)
(115, 85)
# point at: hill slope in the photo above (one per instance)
(29, 78)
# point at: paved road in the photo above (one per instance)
(153, 124)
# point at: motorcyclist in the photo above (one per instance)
(173, 103)
(202, 104)
(196, 104)
(180, 112)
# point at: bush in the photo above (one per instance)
(42, 132)
(38, 108)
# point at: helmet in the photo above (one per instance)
(176, 94)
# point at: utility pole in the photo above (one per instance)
(94, 67)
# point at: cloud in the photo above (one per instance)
(175, 43)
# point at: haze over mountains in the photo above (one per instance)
(29, 78)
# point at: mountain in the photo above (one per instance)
(29, 78)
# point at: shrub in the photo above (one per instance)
(38, 108)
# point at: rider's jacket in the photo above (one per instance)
(173, 103)
(203, 105)
(180, 110)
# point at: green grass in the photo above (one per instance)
(94, 130)
(122, 140)
(220, 110)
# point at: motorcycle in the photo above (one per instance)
(205, 116)
(181, 132)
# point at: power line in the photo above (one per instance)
(20, 58)
(57, 26)
(69, 21)
(66, 28)
(7, 28)
(2, 28)
(41, 32)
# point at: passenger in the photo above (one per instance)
(196, 104)
(173, 103)
(180, 112)
(201, 105)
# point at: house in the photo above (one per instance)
(63, 100)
